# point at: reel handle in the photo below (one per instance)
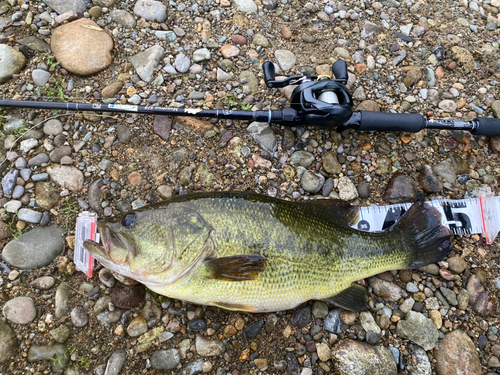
(269, 73)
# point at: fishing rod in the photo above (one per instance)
(317, 101)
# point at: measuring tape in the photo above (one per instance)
(462, 216)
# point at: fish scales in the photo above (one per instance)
(308, 249)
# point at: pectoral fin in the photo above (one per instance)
(353, 298)
(236, 268)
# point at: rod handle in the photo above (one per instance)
(487, 126)
(398, 122)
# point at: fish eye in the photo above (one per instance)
(128, 220)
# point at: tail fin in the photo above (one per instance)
(428, 241)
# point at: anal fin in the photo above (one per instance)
(236, 268)
(353, 298)
(233, 306)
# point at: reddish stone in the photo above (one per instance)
(238, 39)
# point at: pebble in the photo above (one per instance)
(312, 181)
(137, 327)
(286, 59)
(263, 135)
(182, 63)
(319, 309)
(368, 323)
(302, 158)
(147, 61)
(40, 77)
(115, 362)
(347, 190)
(56, 352)
(208, 347)
(332, 321)
(301, 317)
(165, 359)
(151, 10)
(389, 291)
(20, 310)
(78, 317)
(429, 181)
(12, 62)
(419, 329)
(67, 177)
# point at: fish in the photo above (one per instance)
(249, 252)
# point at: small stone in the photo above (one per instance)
(319, 309)
(165, 359)
(151, 10)
(115, 362)
(389, 291)
(78, 317)
(20, 310)
(207, 347)
(419, 329)
(312, 181)
(429, 181)
(286, 59)
(324, 353)
(347, 190)
(228, 51)
(137, 327)
(457, 265)
(12, 62)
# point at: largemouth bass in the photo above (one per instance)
(249, 252)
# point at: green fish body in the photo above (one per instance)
(249, 252)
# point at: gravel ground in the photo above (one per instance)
(434, 58)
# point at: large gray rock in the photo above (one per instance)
(63, 6)
(11, 62)
(151, 10)
(147, 61)
(34, 249)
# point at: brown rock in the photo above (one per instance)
(457, 265)
(134, 178)
(495, 143)
(331, 164)
(162, 126)
(128, 297)
(66, 16)
(82, 47)
(464, 58)
(439, 72)
(112, 89)
(456, 354)
(368, 105)
(355, 358)
(360, 68)
(197, 125)
(238, 39)
(228, 50)
(401, 188)
(480, 299)
(429, 181)
(413, 75)
(286, 32)
(5, 231)
(46, 195)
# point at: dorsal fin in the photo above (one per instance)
(339, 211)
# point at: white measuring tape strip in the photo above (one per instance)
(479, 215)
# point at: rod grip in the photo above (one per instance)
(487, 126)
(398, 122)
